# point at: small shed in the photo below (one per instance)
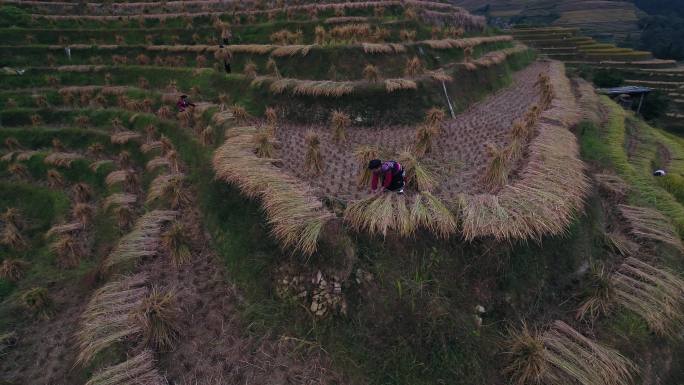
(624, 94)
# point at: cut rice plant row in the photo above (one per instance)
(297, 215)
(538, 202)
(559, 354)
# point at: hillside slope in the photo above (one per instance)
(608, 20)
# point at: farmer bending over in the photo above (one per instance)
(392, 175)
(183, 103)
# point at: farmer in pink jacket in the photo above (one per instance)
(392, 174)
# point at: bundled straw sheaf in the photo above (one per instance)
(61, 159)
(134, 371)
(294, 212)
(318, 88)
(108, 318)
(123, 137)
(551, 187)
(142, 241)
(655, 294)
(561, 355)
(466, 42)
(650, 225)
(381, 213)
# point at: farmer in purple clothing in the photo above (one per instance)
(392, 175)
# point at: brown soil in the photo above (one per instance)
(45, 353)
(215, 346)
(459, 150)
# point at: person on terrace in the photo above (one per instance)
(392, 174)
(183, 103)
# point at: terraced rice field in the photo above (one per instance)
(236, 242)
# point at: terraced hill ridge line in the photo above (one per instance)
(614, 20)
(636, 67)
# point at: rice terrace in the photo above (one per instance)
(211, 192)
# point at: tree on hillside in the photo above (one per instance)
(661, 7)
(664, 36)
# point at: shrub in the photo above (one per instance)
(11, 16)
(655, 105)
(608, 78)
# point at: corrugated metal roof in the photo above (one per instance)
(625, 90)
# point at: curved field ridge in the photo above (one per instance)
(296, 214)
(551, 187)
(432, 10)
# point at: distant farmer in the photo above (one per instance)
(226, 59)
(659, 173)
(392, 174)
(183, 103)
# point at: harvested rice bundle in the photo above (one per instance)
(123, 137)
(156, 163)
(429, 212)
(392, 85)
(371, 73)
(263, 142)
(414, 67)
(61, 159)
(142, 241)
(656, 295)
(364, 155)
(158, 316)
(292, 50)
(297, 216)
(170, 188)
(650, 225)
(339, 121)
(563, 355)
(425, 134)
(13, 270)
(418, 176)
(54, 178)
(108, 317)
(313, 160)
(119, 199)
(136, 370)
(322, 88)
